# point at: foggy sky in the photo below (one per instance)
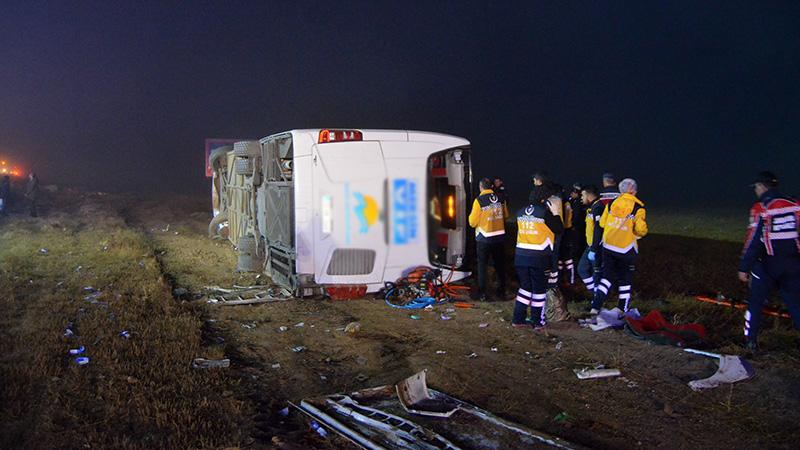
(691, 98)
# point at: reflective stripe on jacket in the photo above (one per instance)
(623, 223)
(593, 231)
(773, 229)
(488, 217)
(537, 228)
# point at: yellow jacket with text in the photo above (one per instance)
(623, 223)
(488, 217)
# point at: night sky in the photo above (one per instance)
(690, 98)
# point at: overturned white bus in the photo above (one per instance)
(330, 207)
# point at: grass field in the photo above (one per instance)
(142, 392)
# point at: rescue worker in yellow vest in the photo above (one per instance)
(537, 227)
(488, 217)
(623, 223)
(589, 264)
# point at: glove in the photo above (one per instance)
(590, 256)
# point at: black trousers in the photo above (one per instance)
(497, 252)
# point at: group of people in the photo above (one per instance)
(600, 227)
(31, 194)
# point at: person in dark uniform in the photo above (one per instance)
(499, 188)
(578, 221)
(488, 217)
(771, 255)
(538, 224)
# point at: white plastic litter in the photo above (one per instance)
(731, 369)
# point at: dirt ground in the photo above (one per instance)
(517, 375)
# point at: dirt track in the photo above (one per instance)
(516, 374)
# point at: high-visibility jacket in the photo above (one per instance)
(623, 223)
(488, 217)
(609, 194)
(773, 230)
(594, 233)
(537, 228)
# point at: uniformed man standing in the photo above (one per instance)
(537, 227)
(771, 256)
(589, 264)
(488, 217)
(610, 190)
(623, 223)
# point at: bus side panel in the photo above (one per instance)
(407, 206)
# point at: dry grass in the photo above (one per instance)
(134, 393)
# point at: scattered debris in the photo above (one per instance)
(125, 334)
(732, 368)
(276, 366)
(562, 417)
(384, 418)
(417, 303)
(483, 325)
(82, 360)
(352, 328)
(463, 305)
(609, 318)
(414, 317)
(440, 352)
(415, 398)
(44, 251)
(586, 373)
(494, 349)
(250, 295)
(202, 363)
(131, 380)
(249, 326)
(300, 325)
(444, 317)
(319, 428)
(630, 383)
(559, 346)
(362, 377)
(654, 327)
(76, 351)
(472, 355)
(298, 349)
(284, 412)
(78, 269)
(283, 328)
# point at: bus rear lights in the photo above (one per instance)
(327, 135)
(451, 206)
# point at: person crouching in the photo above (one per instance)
(537, 225)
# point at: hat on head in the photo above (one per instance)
(766, 178)
(609, 175)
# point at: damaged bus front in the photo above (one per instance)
(317, 208)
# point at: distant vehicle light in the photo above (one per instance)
(326, 136)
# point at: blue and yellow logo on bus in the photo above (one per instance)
(367, 211)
